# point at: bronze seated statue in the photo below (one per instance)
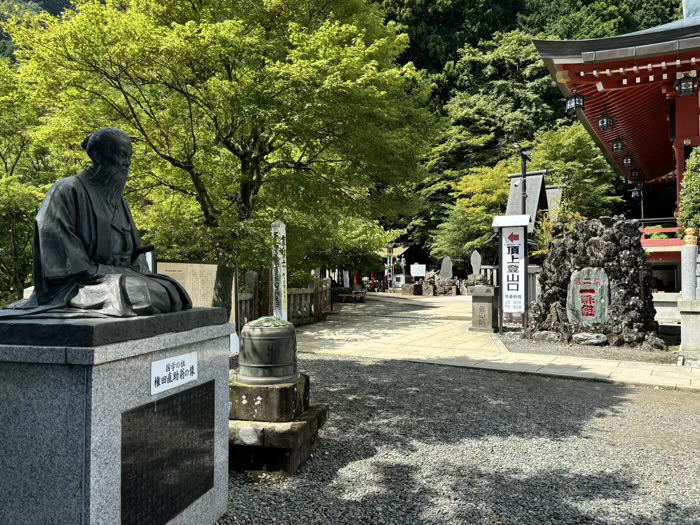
(88, 258)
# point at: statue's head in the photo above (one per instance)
(110, 150)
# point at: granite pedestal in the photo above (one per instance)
(272, 428)
(114, 421)
(484, 308)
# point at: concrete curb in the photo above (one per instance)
(503, 369)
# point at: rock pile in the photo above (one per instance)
(610, 243)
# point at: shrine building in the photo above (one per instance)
(637, 96)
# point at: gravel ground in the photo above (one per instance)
(412, 443)
(515, 343)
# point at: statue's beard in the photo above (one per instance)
(111, 180)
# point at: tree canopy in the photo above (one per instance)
(241, 112)
(353, 121)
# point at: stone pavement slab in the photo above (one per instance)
(436, 330)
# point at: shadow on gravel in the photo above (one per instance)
(373, 405)
(380, 415)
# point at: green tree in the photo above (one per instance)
(595, 18)
(439, 29)
(22, 172)
(689, 215)
(8, 9)
(575, 162)
(502, 95)
(571, 159)
(480, 195)
(252, 110)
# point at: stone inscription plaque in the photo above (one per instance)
(167, 456)
(588, 297)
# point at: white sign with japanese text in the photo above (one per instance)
(513, 269)
(418, 270)
(173, 371)
(279, 269)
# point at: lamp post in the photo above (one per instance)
(638, 191)
(524, 159)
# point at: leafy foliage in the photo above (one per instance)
(689, 216)
(571, 159)
(242, 112)
(574, 162)
(439, 29)
(480, 195)
(23, 170)
(581, 19)
(502, 95)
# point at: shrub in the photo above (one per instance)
(689, 216)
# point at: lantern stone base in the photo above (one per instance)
(274, 403)
(275, 447)
(272, 427)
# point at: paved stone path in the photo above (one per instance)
(436, 330)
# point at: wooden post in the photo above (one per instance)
(266, 307)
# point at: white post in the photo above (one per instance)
(689, 259)
(279, 269)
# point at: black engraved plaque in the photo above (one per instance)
(167, 456)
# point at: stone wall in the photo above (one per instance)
(610, 243)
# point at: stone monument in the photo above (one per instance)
(475, 278)
(596, 281)
(446, 269)
(445, 284)
(114, 390)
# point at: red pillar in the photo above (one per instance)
(680, 170)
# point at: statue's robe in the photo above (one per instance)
(83, 259)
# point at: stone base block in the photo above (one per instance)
(275, 403)
(275, 447)
(689, 358)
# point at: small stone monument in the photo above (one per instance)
(445, 283)
(588, 297)
(475, 277)
(446, 269)
(272, 427)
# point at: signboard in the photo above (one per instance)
(279, 269)
(197, 278)
(173, 371)
(588, 297)
(513, 270)
(418, 270)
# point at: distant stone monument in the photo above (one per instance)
(588, 297)
(475, 278)
(446, 269)
(445, 283)
(475, 259)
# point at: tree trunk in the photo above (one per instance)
(223, 284)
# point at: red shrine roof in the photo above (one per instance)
(631, 78)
